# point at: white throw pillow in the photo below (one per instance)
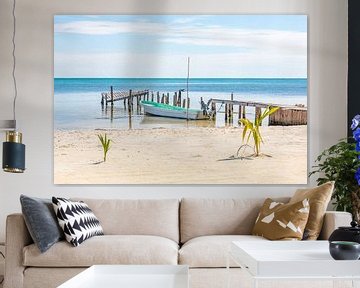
(76, 220)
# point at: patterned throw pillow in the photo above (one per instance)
(279, 221)
(319, 198)
(77, 220)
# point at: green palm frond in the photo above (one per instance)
(105, 143)
(253, 129)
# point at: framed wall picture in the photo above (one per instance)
(180, 99)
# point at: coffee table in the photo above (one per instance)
(292, 260)
(131, 276)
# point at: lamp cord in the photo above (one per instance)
(14, 60)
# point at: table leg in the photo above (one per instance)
(255, 283)
(228, 270)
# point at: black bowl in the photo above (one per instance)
(344, 250)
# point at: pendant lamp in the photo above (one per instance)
(13, 160)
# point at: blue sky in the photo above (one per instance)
(158, 45)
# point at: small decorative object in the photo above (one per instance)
(344, 250)
(341, 163)
(344, 233)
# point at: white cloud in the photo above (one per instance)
(108, 27)
(256, 52)
(284, 42)
(174, 65)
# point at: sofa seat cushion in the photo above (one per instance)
(107, 249)
(211, 251)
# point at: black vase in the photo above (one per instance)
(351, 234)
(344, 250)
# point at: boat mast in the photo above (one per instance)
(187, 89)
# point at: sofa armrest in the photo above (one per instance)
(333, 220)
(17, 237)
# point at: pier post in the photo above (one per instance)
(231, 110)
(184, 103)
(147, 96)
(243, 112)
(130, 102)
(102, 99)
(163, 98)
(112, 95)
(226, 112)
(158, 96)
(179, 99)
(152, 96)
(125, 103)
(213, 110)
(257, 112)
(137, 104)
(175, 99)
(167, 98)
(188, 103)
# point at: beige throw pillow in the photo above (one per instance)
(319, 198)
(279, 221)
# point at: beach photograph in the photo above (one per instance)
(180, 99)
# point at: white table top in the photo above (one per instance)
(131, 276)
(291, 259)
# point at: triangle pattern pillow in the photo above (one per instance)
(279, 221)
(77, 220)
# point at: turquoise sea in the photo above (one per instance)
(77, 100)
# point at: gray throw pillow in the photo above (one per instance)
(41, 221)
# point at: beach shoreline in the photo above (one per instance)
(194, 155)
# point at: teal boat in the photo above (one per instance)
(165, 110)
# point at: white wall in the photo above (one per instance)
(327, 88)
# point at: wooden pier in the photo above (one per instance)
(287, 114)
(129, 96)
(117, 96)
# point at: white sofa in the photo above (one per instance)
(194, 232)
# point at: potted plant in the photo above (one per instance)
(341, 163)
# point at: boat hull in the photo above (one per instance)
(164, 110)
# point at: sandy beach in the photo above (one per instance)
(179, 156)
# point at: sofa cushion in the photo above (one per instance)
(41, 221)
(279, 221)
(107, 249)
(201, 217)
(319, 198)
(76, 220)
(211, 251)
(158, 217)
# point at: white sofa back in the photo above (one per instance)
(137, 217)
(200, 217)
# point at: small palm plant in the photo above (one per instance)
(253, 129)
(105, 142)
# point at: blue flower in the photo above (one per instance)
(356, 134)
(355, 122)
(357, 176)
(357, 147)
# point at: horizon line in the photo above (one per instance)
(179, 78)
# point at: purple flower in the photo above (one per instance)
(357, 176)
(357, 147)
(355, 122)
(356, 134)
